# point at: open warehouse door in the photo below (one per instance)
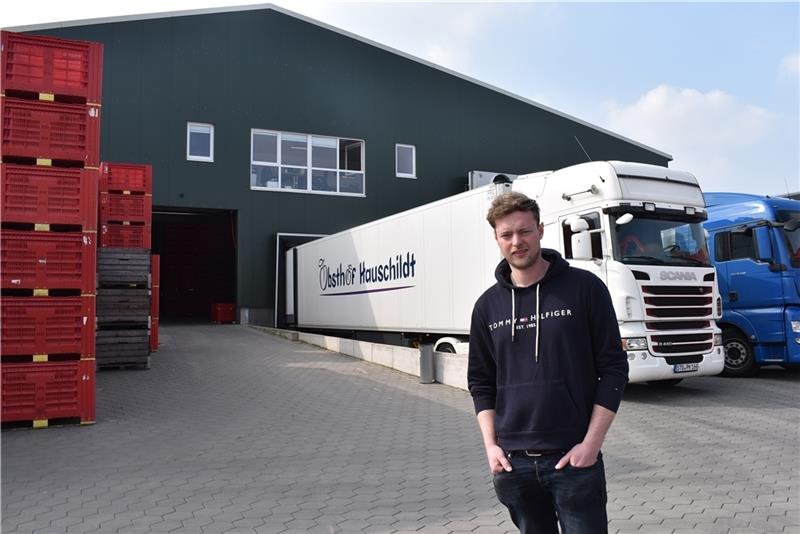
(198, 263)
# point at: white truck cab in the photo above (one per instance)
(639, 228)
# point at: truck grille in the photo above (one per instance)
(671, 311)
(692, 358)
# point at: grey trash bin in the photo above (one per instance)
(426, 368)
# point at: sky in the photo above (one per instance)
(716, 85)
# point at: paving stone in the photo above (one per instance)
(232, 430)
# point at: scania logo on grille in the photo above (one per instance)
(678, 275)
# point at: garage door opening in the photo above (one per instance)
(198, 261)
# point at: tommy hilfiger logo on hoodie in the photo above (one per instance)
(529, 321)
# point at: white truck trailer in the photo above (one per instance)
(638, 227)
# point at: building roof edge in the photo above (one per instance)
(406, 55)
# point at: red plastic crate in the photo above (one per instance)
(48, 325)
(119, 207)
(50, 195)
(223, 312)
(155, 271)
(51, 65)
(125, 236)
(49, 390)
(51, 130)
(119, 177)
(154, 334)
(48, 260)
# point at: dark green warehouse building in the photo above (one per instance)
(260, 122)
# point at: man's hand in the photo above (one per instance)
(581, 455)
(584, 454)
(497, 459)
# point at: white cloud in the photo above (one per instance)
(725, 142)
(790, 66)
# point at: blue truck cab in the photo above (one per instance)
(754, 243)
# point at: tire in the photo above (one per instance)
(446, 347)
(740, 360)
(666, 383)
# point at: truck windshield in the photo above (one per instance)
(791, 231)
(656, 241)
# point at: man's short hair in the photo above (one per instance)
(508, 203)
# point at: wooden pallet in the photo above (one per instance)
(118, 267)
(122, 345)
(44, 423)
(123, 306)
(124, 363)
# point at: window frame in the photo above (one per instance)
(309, 167)
(724, 246)
(397, 173)
(189, 155)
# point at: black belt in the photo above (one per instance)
(536, 452)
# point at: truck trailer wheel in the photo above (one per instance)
(740, 360)
(446, 347)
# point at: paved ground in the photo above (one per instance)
(233, 430)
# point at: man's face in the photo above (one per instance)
(519, 235)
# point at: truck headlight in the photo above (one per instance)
(717, 340)
(796, 327)
(634, 343)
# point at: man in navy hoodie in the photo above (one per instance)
(546, 373)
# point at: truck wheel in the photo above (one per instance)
(739, 358)
(446, 347)
(666, 383)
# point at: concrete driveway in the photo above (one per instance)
(234, 430)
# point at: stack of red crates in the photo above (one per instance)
(126, 205)
(50, 112)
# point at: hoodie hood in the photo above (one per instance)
(557, 265)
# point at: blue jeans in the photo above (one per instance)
(539, 497)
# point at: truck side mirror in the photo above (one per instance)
(624, 219)
(581, 240)
(763, 244)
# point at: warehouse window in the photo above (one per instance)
(199, 141)
(306, 163)
(405, 158)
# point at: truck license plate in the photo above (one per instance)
(685, 367)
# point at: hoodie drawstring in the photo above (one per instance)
(514, 319)
(536, 350)
(513, 314)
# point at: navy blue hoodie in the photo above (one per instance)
(543, 381)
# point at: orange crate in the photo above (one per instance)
(48, 260)
(154, 334)
(63, 67)
(117, 207)
(119, 177)
(49, 390)
(50, 130)
(223, 312)
(49, 195)
(125, 236)
(48, 325)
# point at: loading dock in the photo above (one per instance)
(198, 261)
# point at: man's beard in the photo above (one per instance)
(523, 262)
